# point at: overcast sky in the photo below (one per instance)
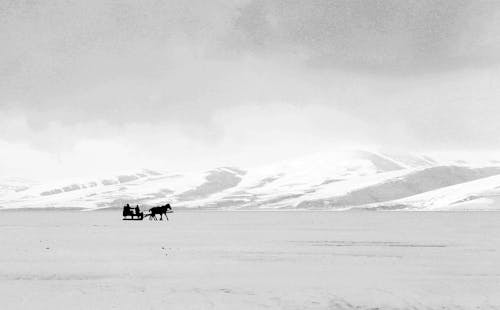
(97, 85)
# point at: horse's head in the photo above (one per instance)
(168, 206)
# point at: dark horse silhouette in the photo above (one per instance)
(161, 211)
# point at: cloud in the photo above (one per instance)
(381, 36)
(245, 81)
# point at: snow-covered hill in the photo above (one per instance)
(326, 181)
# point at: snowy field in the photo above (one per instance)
(250, 260)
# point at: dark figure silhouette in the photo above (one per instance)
(161, 211)
(126, 210)
(138, 211)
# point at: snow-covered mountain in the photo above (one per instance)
(14, 185)
(327, 181)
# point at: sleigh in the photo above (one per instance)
(130, 215)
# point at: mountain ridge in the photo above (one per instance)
(344, 180)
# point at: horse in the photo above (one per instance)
(159, 210)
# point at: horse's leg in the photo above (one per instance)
(166, 216)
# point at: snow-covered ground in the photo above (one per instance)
(338, 180)
(250, 260)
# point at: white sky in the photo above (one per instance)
(94, 86)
